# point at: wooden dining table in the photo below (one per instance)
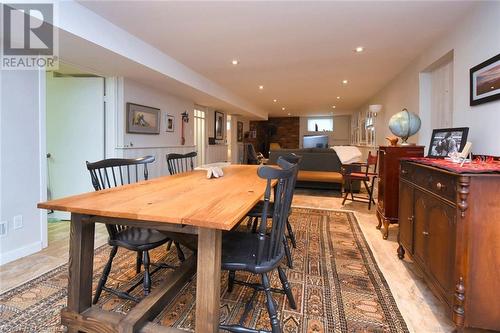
(188, 205)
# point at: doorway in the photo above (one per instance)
(229, 138)
(200, 135)
(75, 133)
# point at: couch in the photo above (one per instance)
(319, 167)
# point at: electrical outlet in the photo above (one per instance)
(18, 222)
(3, 228)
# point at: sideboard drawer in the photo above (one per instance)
(440, 183)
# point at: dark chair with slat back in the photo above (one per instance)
(250, 155)
(256, 212)
(261, 252)
(178, 163)
(369, 175)
(115, 172)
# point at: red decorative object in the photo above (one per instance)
(485, 165)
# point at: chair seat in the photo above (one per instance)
(139, 239)
(256, 211)
(239, 250)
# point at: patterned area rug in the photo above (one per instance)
(337, 285)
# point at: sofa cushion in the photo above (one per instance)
(320, 176)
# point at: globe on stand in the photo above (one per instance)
(404, 124)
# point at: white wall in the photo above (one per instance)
(474, 39)
(21, 185)
(341, 134)
(130, 145)
(168, 104)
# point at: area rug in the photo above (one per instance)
(337, 285)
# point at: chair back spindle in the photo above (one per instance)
(270, 246)
(179, 163)
(114, 172)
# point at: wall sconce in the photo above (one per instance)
(374, 109)
(185, 117)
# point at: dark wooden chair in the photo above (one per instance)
(368, 176)
(179, 163)
(262, 252)
(256, 212)
(115, 172)
(250, 155)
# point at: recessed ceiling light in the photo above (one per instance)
(283, 108)
(345, 82)
(359, 49)
(338, 97)
(333, 106)
(275, 100)
(289, 114)
(235, 62)
(261, 87)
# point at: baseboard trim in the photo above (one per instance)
(20, 252)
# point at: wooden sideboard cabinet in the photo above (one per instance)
(388, 182)
(449, 224)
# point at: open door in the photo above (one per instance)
(75, 134)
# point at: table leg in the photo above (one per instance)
(208, 280)
(81, 259)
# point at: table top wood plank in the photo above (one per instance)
(188, 198)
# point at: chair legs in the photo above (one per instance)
(288, 254)
(264, 286)
(346, 193)
(146, 282)
(369, 189)
(291, 234)
(138, 262)
(105, 274)
(230, 281)
(286, 288)
(180, 254)
(271, 308)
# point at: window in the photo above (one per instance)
(320, 124)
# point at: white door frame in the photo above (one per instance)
(110, 111)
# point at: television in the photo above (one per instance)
(315, 141)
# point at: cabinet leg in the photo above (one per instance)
(401, 252)
(386, 228)
(379, 221)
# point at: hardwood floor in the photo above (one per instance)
(56, 254)
(420, 309)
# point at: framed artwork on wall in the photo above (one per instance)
(142, 119)
(219, 125)
(485, 81)
(170, 120)
(239, 134)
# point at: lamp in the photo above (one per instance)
(375, 108)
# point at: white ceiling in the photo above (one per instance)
(299, 51)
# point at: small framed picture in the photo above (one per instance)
(240, 132)
(142, 119)
(170, 123)
(485, 81)
(445, 141)
(219, 125)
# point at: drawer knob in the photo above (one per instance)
(410, 219)
(425, 233)
(404, 172)
(440, 186)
